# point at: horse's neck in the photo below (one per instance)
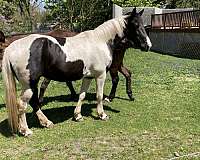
(108, 30)
(104, 37)
(119, 44)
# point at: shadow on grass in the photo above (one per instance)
(68, 98)
(122, 98)
(181, 55)
(2, 106)
(56, 115)
(4, 128)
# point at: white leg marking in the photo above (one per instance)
(149, 42)
(84, 87)
(99, 89)
(43, 119)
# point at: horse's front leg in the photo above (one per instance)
(84, 87)
(43, 88)
(99, 89)
(115, 80)
(127, 75)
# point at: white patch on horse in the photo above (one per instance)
(96, 58)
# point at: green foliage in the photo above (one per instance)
(178, 3)
(160, 3)
(136, 3)
(80, 14)
(7, 12)
(7, 9)
(20, 16)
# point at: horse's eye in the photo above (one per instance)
(136, 24)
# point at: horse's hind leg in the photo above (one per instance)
(43, 88)
(99, 89)
(71, 88)
(34, 102)
(84, 87)
(22, 105)
(127, 75)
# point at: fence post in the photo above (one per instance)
(164, 21)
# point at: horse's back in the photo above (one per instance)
(80, 56)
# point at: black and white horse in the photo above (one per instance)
(84, 56)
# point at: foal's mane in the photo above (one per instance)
(110, 28)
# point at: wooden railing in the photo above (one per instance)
(176, 20)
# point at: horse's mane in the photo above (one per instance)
(110, 28)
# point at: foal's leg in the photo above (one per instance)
(71, 88)
(99, 89)
(22, 105)
(43, 88)
(115, 80)
(84, 87)
(127, 75)
(46, 82)
(34, 102)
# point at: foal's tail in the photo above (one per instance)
(10, 96)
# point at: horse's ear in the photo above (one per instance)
(141, 12)
(133, 13)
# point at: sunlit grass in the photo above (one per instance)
(162, 122)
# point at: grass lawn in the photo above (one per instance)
(162, 123)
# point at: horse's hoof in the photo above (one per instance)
(26, 132)
(78, 118)
(49, 124)
(107, 99)
(104, 117)
(131, 97)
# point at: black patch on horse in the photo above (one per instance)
(48, 59)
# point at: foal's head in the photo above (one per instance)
(135, 31)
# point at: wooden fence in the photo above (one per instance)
(176, 20)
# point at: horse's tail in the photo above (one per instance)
(10, 94)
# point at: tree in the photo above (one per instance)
(160, 3)
(171, 4)
(136, 3)
(79, 14)
(20, 15)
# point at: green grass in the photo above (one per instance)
(163, 121)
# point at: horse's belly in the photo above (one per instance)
(68, 71)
